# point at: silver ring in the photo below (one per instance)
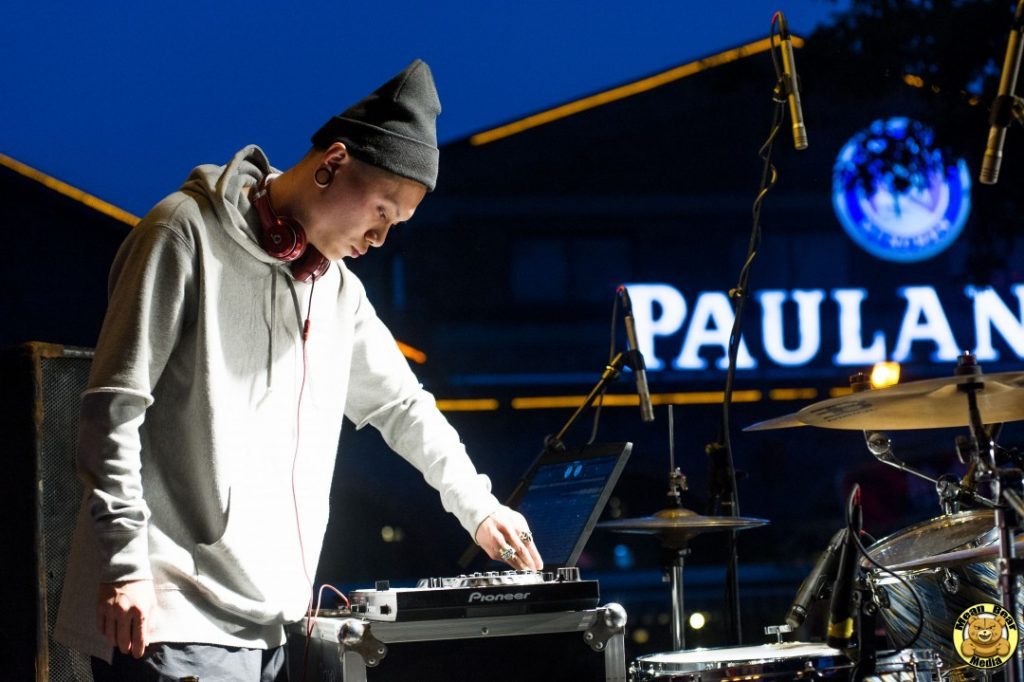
(526, 536)
(507, 553)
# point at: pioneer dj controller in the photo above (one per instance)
(494, 593)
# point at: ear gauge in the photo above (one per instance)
(322, 177)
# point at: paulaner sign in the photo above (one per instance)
(793, 330)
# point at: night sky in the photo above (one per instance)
(123, 99)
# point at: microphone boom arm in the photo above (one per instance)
(611, 373)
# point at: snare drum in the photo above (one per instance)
(945, 591)
(784, 661)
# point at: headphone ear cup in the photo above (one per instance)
(283, 238)
(311, 264)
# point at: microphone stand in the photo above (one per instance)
(631, 358)
(554, 444)
(722, 472)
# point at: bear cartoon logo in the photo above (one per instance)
(985, 636)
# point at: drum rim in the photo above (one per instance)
(888, 661)
(956, 519)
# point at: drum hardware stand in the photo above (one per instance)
(722, 477)
(951, 490)
(675, 527)
(778, 631)
(674, 550)
(982, 449)
(865, 653)
(672, 559)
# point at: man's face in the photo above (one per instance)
(359, 207)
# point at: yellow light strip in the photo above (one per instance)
(792, 394)
(67, 190)
(704, 397)
(624, 91)
(468, 405)
(414, 354)
(631, 400)
(839, 392)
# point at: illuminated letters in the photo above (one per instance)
(851, 352)
(673, 312)
(660, 311)
(808, 303)
(924, 302)
(712, 307)
(989, 312)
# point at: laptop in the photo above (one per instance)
(562, 496)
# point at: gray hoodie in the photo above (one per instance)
(204, 409)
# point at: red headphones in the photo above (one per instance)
(284, 239)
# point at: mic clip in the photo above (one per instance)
(1006, 109)
(633, 359)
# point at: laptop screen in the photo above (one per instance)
(562, 496)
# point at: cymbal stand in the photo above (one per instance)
(983, 451)
(675, 553)
(673, 559)
(951, 491)
(676, 480)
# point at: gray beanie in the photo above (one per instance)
(394, 127)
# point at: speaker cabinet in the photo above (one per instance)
(42, 386)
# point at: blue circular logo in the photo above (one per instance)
(896, 194)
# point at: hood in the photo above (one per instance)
(226, 191)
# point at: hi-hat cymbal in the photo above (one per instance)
(680, 524)
(926, 404)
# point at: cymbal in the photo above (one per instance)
(926, 404)
(680, 524)
(786, 421)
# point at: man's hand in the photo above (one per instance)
(123, 614)
(505, 536)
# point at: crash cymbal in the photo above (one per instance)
(786, 421)
(680, 524)
(926, 404)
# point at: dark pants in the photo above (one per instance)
(171, 662)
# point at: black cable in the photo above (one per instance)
(910, 588)
(739, 295)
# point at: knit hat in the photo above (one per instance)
(394, 127)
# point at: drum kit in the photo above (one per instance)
(918, 581)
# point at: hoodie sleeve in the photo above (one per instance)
(385, 393)
(150, 294)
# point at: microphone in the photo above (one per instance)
(840, 613)
(640, 370)
(817, 581)
(792, 84)
(1003, 106)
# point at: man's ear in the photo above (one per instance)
(335, 156)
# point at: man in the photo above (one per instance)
(234, 342)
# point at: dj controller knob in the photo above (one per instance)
(568, 574)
